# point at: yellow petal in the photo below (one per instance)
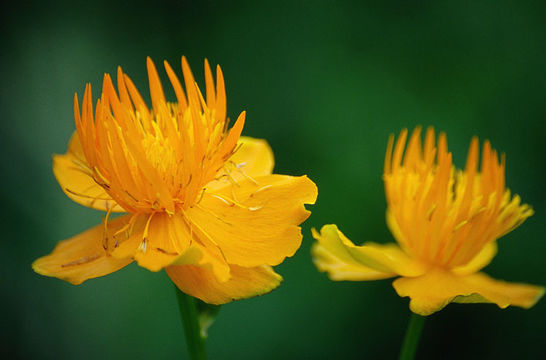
(159, 240)
(167, 239)
(253, 158)
(127, 241)
(343, 269)
(156, 240)
(434, 290)
(345, 261)
(76, 180)
(481, 260)
(255, 223)
(205, 256)
(84, 256)
(201, 283)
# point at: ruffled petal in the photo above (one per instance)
(434, 290)
(255, 222)
(200, 282)
(76, 180)
(343, 260)
(481, 260)
(85, 256)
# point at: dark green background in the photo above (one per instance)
(325, 83)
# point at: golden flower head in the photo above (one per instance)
(202, 201)
(446, 222)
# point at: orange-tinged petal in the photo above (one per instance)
(385, 260)
(220, 94)
(75, 178)
(200, 282)
(233, 136)
(434, 290)
(160, 240)
(156, 90)
(167, 239)
(155, 242)
(85, 256)
(481, 260)
(209, 85)
(179, 92)
(255, 223)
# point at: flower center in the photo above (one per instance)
(160, 153)
(158, 159)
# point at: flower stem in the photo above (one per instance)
(195, 340)
(413, 334)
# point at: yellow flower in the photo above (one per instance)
(446, 223)
(202, 201)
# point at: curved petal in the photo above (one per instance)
(200, 282)
(255, 223)
(343, 269)
(157, 240)
(481, 260)
(207, 257)
(253, 158)
(167, 238)
(75, 178)
(84, 256)
(373, 261)
(433, 291)
(160, 240)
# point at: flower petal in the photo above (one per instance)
(167, 238)
(329, 255)
(481, 260)
(345, 269)
(255, 223)
(253, 158)
(156, 241)
(201, 283)
(375, 261)
(204, 253)
(168, 241)
(75, 178)
(434, 290)
(84, 256)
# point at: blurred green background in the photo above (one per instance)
(325, 83)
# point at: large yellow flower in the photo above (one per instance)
(202, 201)
(446, 223)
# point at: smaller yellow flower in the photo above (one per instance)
(446, 222)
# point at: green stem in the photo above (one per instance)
(195, 341)
(411, 340)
